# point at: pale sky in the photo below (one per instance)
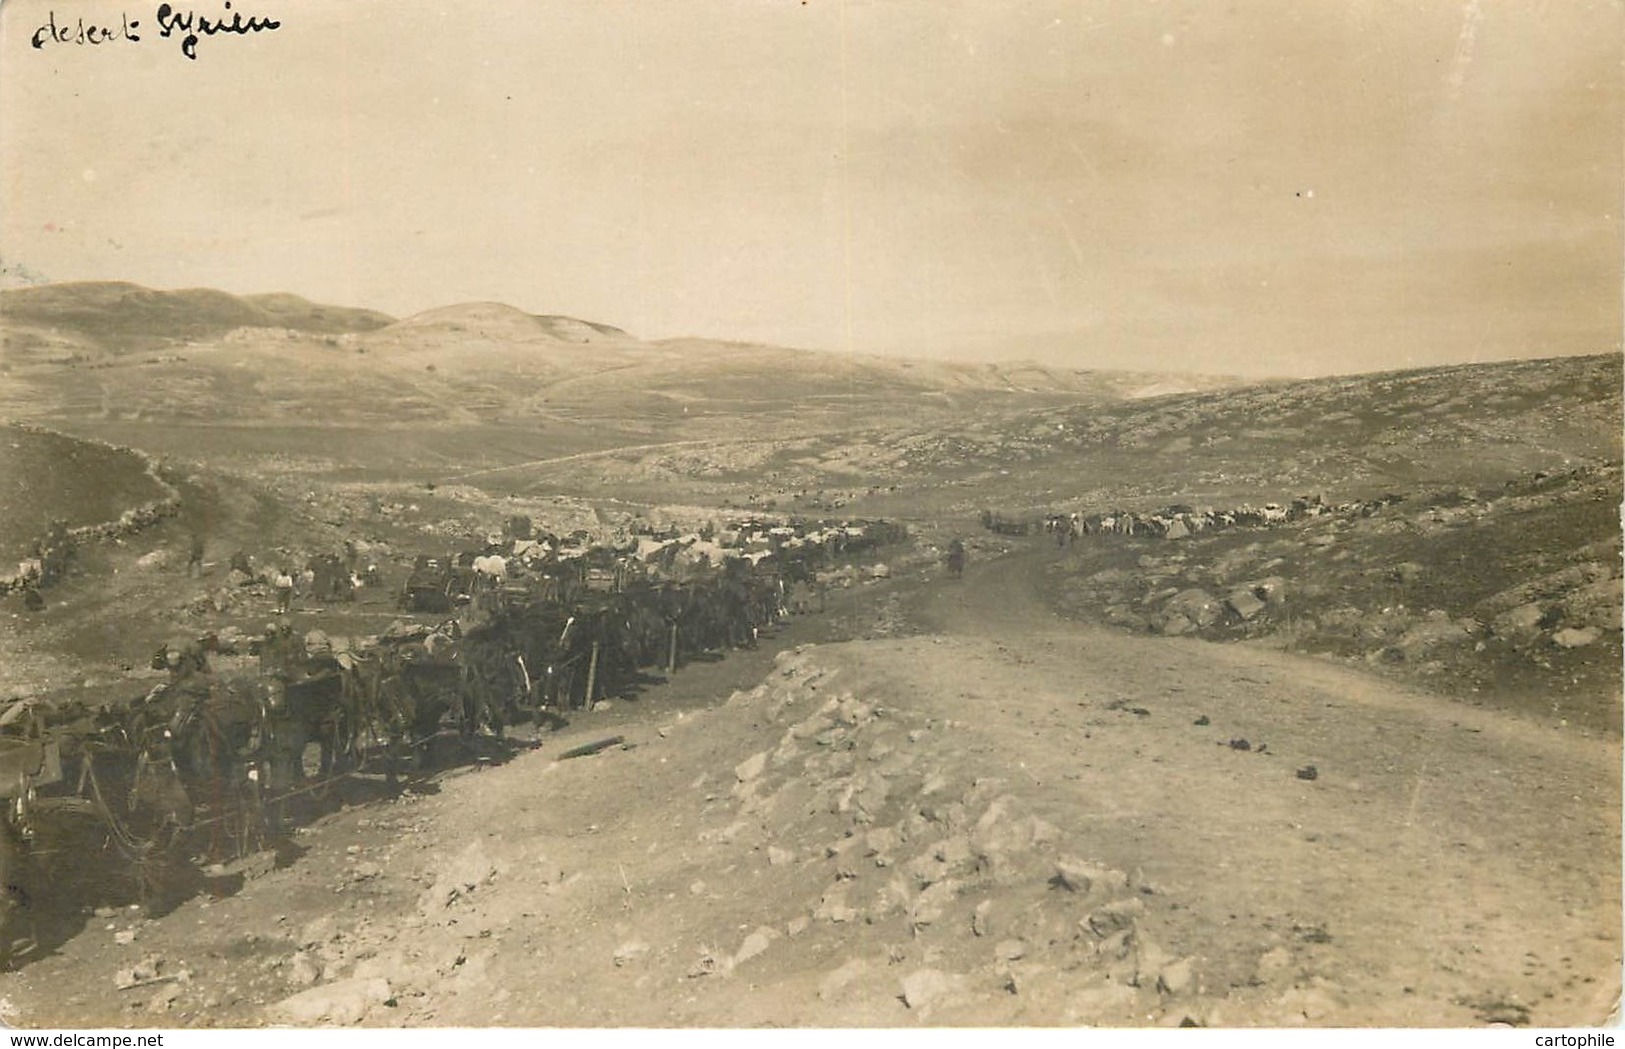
(1264, 187)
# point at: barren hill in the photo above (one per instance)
(498, 321)
(118, 353)
(114, 315)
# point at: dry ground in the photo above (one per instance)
(971, 813)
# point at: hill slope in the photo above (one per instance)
(114, 315)
(210, 355)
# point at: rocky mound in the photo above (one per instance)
(1510, 592)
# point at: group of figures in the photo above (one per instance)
(1179, 521)
(241, 740)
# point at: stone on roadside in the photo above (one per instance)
(1176, 978)
(1244, 603)
(1570, 637)
(929, 905)
(833, 907)
(751, 767)
(1115, 916)
(338, 1004)
(1102, 1003)
(924, 988)
(1175, 626)
(1083, 877)
(1519, 625)
(756, 943)
(303, 970)
(464, 875)
(1196, 605)
(833, 986)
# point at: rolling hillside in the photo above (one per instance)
(120, 353)
(117, 316)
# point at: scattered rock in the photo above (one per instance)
(629, 952)
(464, 875)
(317, 931)
(1596, 604)
(1196, 605)
(1520, 625)
(1177, 978)
(1102, 1003)
(1244, 603)
(338, 1004)
(303, 970)
(1175, 626)
(751, 767)
(146, 970)
(833, 986)
(1569, 637)
(756, 943)
(928, 907)
(1115, 916)
(155, 559)
(1010, 950)
(1308, 772)
(924, 988)
(1081, 876)
(833, 907)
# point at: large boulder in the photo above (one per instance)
(1195, 604)
(1244, 603)
(1271, 588)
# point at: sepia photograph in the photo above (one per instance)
(688, 515)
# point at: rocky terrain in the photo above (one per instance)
(971, 815)
(1358, 768)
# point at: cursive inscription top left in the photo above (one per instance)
(187, 26)
(83, 32)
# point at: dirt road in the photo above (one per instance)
(977, 813)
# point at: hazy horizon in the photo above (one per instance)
(1271, 191)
